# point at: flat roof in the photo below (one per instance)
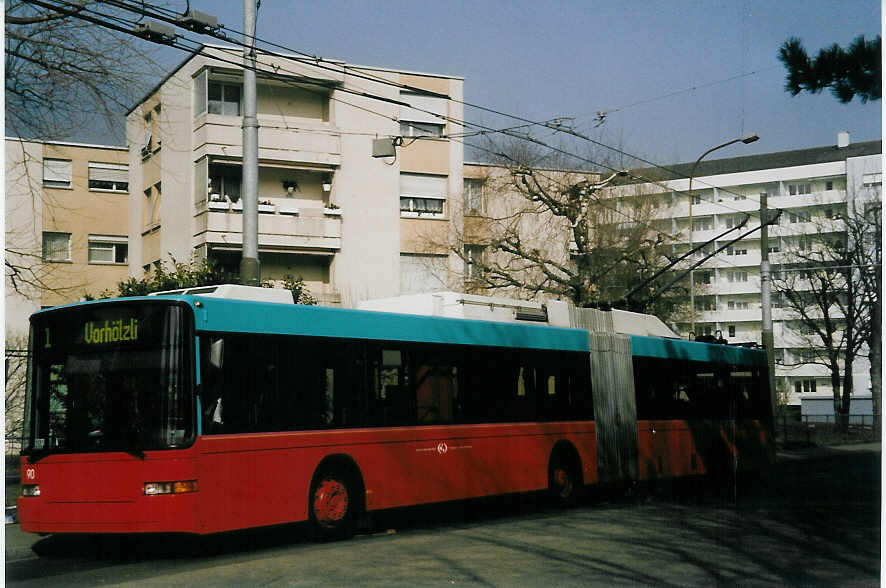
(69, 144)
(283, 55)
(761, 161)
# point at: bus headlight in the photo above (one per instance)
(30, 490)
(180, 487)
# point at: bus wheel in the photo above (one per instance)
(332, 505)
(564, 481)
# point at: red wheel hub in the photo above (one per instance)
(562, 481)
(330, 502)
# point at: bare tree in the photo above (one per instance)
(825, 292)
(65, 76)
(16, 371)
(548, 231)
(866, 229)
(66, 79)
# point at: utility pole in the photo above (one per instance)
(250, 269)
(766, 297)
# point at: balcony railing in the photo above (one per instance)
(221, 224)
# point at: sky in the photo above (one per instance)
(676, 77)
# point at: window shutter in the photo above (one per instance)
(427, 103)
(57, 170)
(109, 172)
(423, 185)
(201, 183)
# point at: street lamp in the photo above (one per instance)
(748, 138)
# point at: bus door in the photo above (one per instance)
(615, 410)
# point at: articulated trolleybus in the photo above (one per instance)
(201, 412)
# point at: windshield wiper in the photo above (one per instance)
(135, 452)
(37, 455)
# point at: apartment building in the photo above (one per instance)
(813, 188)
(354, 227)
(66, 234)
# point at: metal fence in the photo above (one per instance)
(823, 429)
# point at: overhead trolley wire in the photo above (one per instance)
(77, 12)
(316, 61)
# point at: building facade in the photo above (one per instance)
(815, 189)
(351, 225)
(66, 236)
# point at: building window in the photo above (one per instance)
(733, 221)
(703, 224)
(224, 99)
(872, 179)
(422, 195)
(418, 129)
(829, 185)
(425, 119)
(737, 250)
(473, 256)
(225, 182)
(740, 197)
(738, 305)
(776, 300)
(473, 191)
(108, 249)
(151, 210)
(146, 146)
(706, 330)
(108, 176)
(422, 273)
(801, 216)
(799, 189)
(57, 246)
(705, 303)
(737, 276)
(801, 386)
(704, 277)
(732, 331)
(57, 173)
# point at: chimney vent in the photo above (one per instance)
(842, 139)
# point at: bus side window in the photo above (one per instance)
(212, 405)
(436, 389)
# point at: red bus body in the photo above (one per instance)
(263, 479)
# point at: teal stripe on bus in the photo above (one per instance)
(240, 316)
(695, 351)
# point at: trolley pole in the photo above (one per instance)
(250, 269)
(766, 297)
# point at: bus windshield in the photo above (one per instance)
(110, 377)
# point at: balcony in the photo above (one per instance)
(805, 200)
(308, 231)
(749, 315)
(222, 136)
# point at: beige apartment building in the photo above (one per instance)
(66, 234)
(354, 227)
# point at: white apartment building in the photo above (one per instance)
(812, 187)
(352, 226)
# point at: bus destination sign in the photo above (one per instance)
(98, 332)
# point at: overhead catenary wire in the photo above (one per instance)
(316, 61)
(76, 11)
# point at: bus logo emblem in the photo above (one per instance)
(442, 448)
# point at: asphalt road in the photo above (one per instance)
(813, 520)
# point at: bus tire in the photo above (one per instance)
(564, 478)
(332, 504)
